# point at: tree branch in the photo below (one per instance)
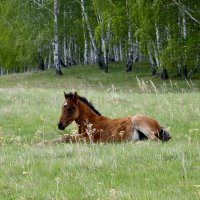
(183, 8)
(42, 6)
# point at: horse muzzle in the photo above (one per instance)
(60, 126)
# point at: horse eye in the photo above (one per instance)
(69, 110)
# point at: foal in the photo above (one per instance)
(92, 127)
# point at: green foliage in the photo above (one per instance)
(24, 31)
(28, 26)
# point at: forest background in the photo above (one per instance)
(38, 34)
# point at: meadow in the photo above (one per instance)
(30, 106)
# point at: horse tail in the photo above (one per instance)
(164, 134)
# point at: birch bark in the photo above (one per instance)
(120, 51)
(152, 62)
(64, 42)
(89, 28)
(56, 44)
(85, 55)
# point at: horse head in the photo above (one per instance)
(70, 111)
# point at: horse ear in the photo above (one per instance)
(75, 97)
(65, 95)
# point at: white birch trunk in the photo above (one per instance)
(64, 41)
(56, 44)
(132, 50)
(156, 54)
(79, 54)
(157, 37)
(135, 51)
(129, 42)
(89, 28)
(130, 36)
(181, 65)
(85, 61)
(45, 61)
(184, 33)
(116, 52)
(92, 56)
(167, 28)
(76, 53)
(184, 30)
(49, 60)
(65, 50)
(152, 61)
(85, 50)
(69, 49)
(108, 30)
(120, 51)
(157, 48)
(103, 41)
(179, 59)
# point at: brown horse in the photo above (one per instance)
(92, 127)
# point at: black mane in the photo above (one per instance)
(84, 100)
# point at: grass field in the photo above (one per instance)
(30, 106)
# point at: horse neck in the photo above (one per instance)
(86, 114)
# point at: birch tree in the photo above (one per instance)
(56, 42)
(91, 33)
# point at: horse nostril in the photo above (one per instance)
(60, 126)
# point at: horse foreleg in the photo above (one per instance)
(66, 139)
(75, 138)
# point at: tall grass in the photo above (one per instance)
(30, 107)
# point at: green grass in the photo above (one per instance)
(30, 106)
